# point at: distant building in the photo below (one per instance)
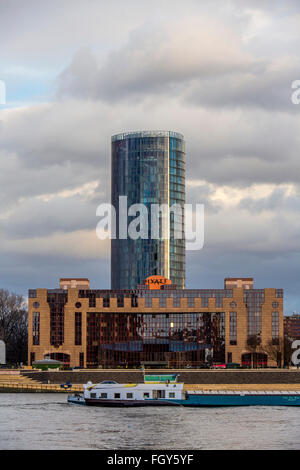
(155, 323)
(2, 352)
(245, 282)
(292, 326)
(74, 283)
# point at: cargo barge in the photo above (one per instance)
(164, 390)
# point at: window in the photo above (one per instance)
(134, 301)
(78, 305)
(129, 395)
(275, 328)
(106, 302)
(35, 328)
(153, 337)
(32, 358)
(93, 395)
(120, 301)
(254, 300)
(103, 395)
(117, 395)
(146, 395)
(78, 323)
(81, 359)
(233, 328)
(232, 304)
(36, 304)
(275, 304)
(57, 301)
(171, 394)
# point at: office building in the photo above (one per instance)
(148, 168)
(292, 326)
(154, 324)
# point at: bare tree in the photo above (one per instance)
(254, 346)
(287, 350)
(13, 326)
(274, 350)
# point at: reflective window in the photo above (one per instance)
(275, 327)
(233, 328)
(35, 328)
(78, 327)
(172, 339)
(148, 168)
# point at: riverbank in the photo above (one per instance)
(50, 381)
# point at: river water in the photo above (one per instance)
(47, 421)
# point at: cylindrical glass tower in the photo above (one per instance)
(149, 168)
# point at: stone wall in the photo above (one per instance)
(188, 377)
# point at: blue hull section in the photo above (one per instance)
(239, 400)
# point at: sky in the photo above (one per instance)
(218, 71)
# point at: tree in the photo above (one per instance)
(254, 345)
(275, 349)
(13, 326)
(287, 350)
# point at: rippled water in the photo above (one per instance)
(46, 421)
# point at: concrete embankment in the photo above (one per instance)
(15, 381)
(50, 381)
(276, 379)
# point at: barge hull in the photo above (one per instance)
(205, 400)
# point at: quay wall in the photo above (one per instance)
(188, 377)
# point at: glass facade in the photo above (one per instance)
(145, 293)
(176, 339)
(275, 327)
(254, 298)
(78, 328)
(57, 301)
(36, 328)
(233, 328)
(149, 168)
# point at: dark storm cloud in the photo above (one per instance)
(210, 269)
(42, 218)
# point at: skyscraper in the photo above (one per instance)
(149, 168)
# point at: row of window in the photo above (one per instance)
(275, 327)
(162, 299)
(129, 395)
(153, 328)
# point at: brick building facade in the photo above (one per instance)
(292, 326)
(155, 325)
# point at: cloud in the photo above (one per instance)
(193, 65)
(79, 244)
(219, 72)
(157, 61)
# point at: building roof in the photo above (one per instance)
(138, 134)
